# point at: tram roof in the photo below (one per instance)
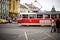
(27, 13)
(57, 12)
(49, 12)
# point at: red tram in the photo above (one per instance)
(35, 19)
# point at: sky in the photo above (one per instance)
(46, 4)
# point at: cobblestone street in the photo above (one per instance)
(16, 32)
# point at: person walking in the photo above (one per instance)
(53, 26)
(57, 24)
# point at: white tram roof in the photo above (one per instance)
(47, 12)
(27, 13)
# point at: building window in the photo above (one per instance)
(13, 5)
(16, 0)
(9, 0)
(9, 5)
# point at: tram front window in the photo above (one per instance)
(25, 16)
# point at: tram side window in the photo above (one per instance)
(59, 15)
(39, 16)
(47, 16)
(32, 15)
(25, 15)
(53, 16)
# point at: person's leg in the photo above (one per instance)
(54, 29)
(51, 29)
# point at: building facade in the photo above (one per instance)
(4, 9)
(13, 8)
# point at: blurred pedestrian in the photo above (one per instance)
(58, 24)
(53, 26)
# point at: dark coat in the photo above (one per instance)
(57, 24)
